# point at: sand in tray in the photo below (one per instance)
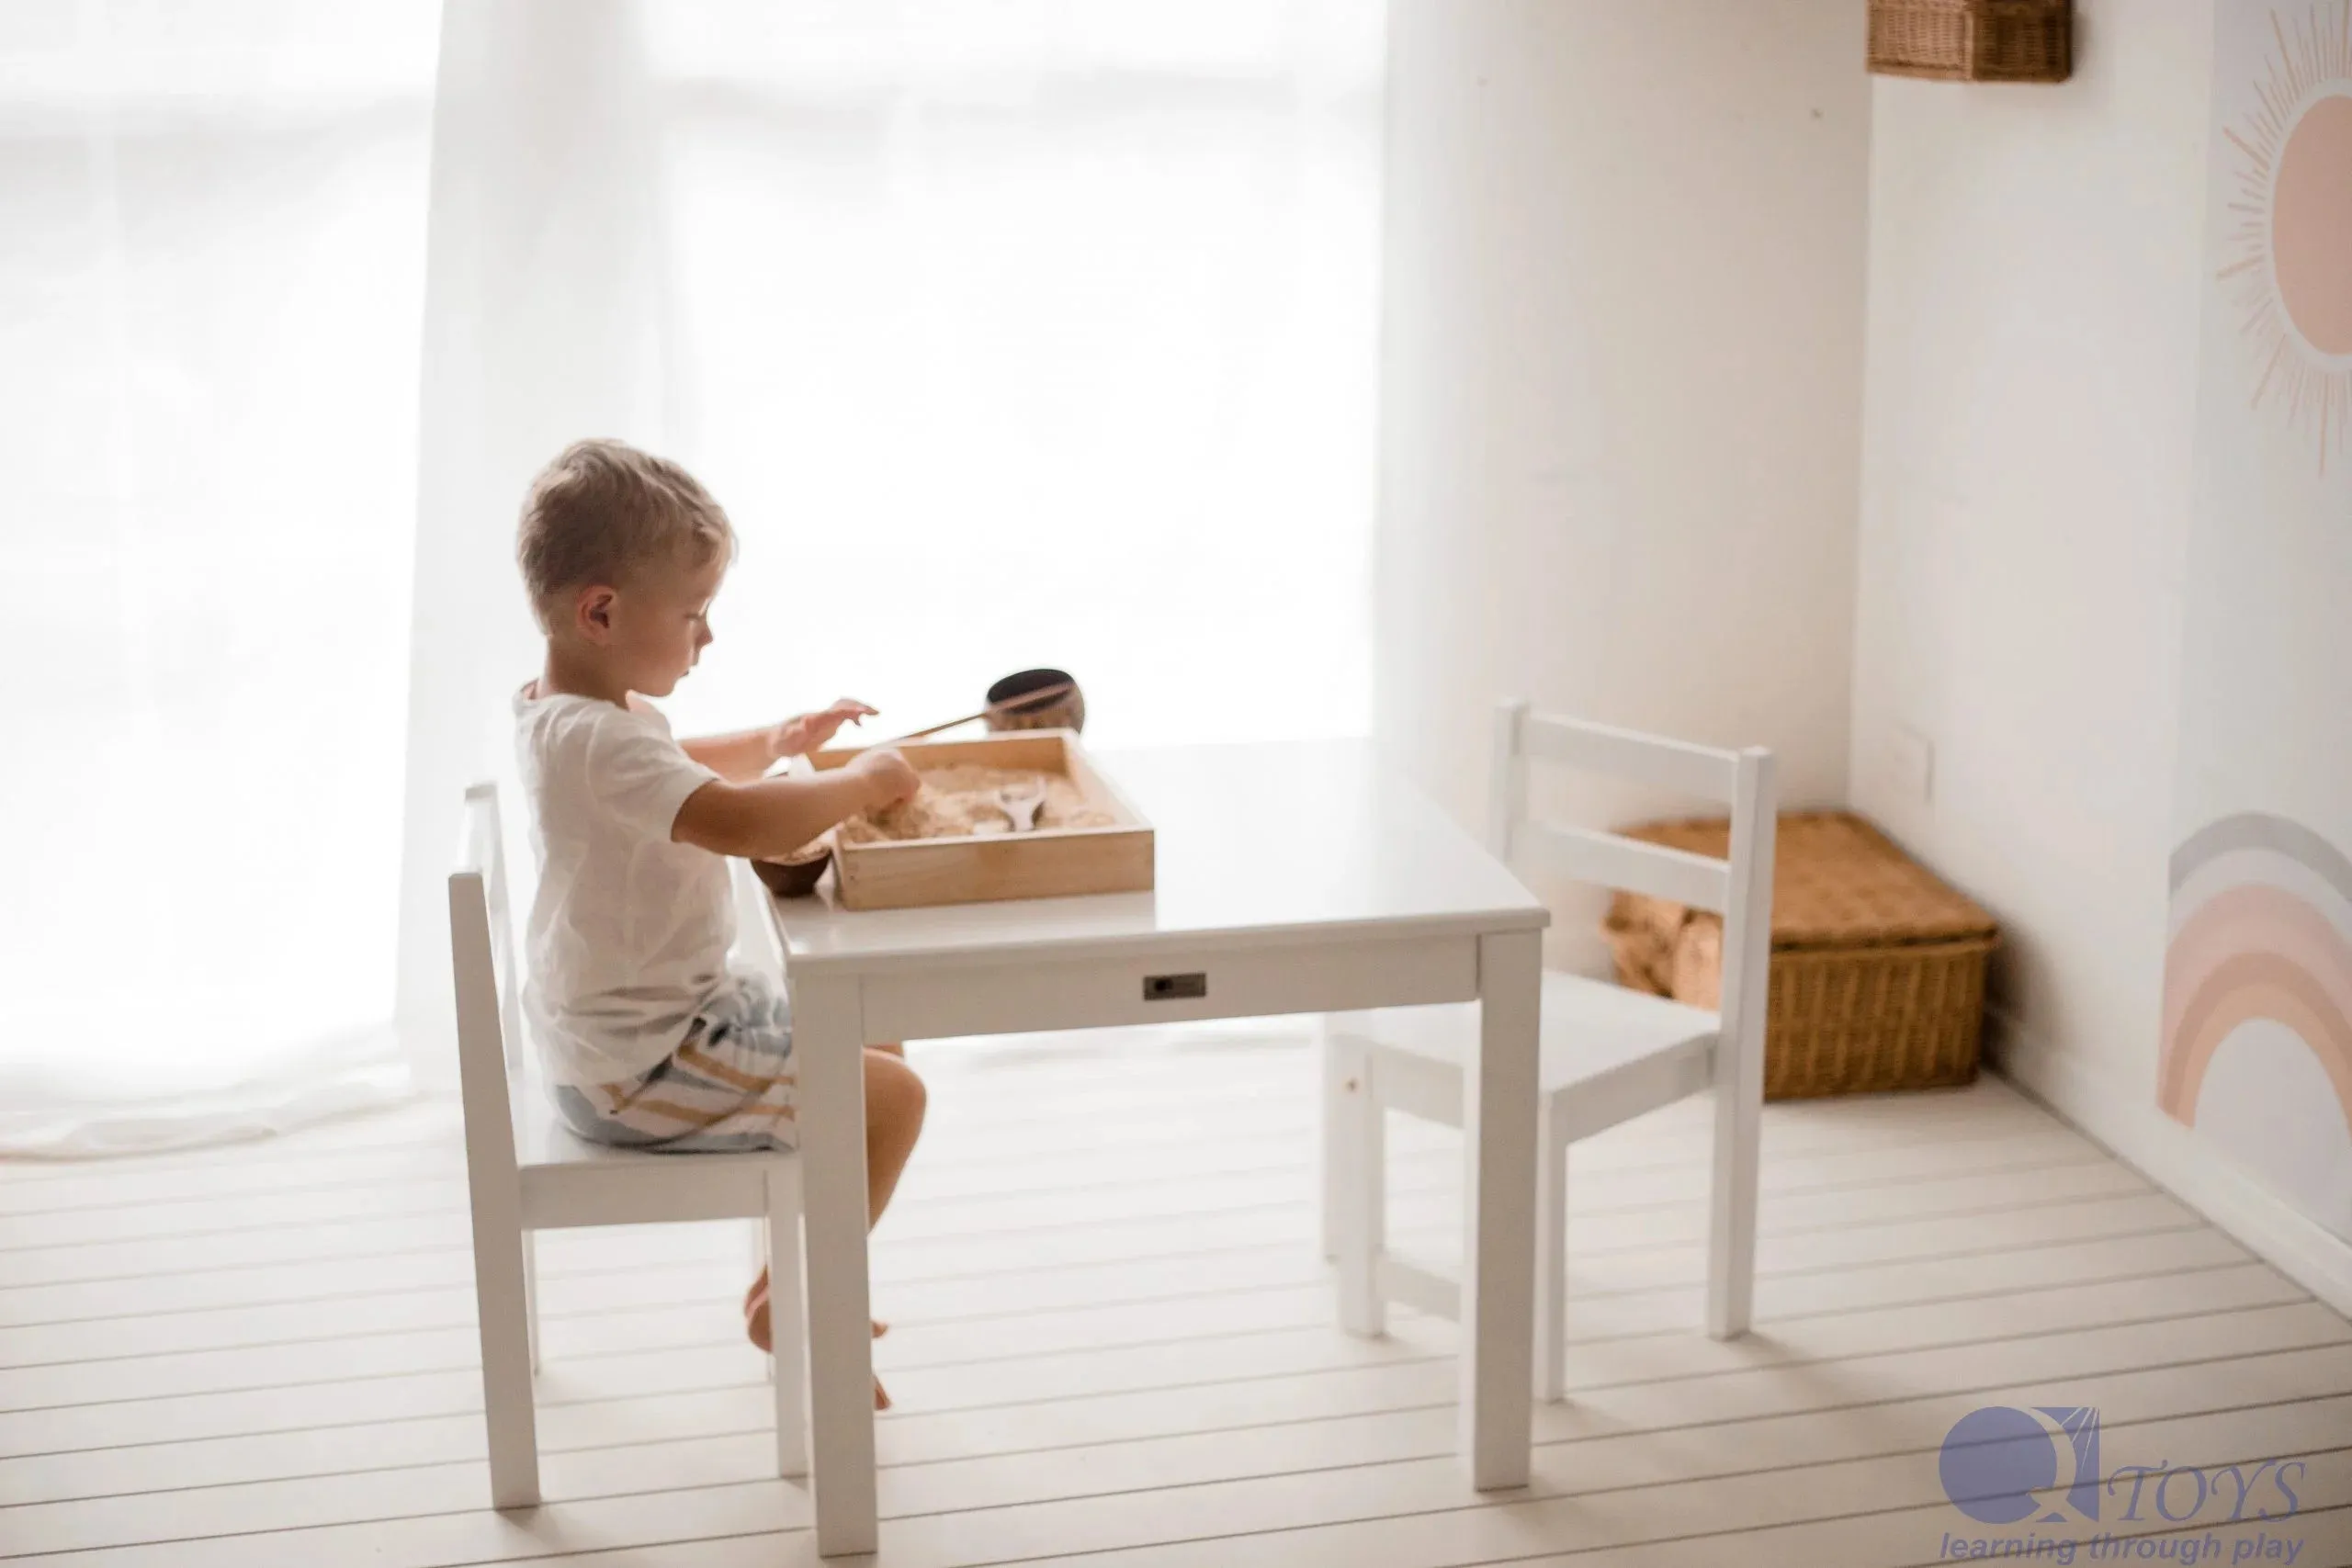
(961, 800)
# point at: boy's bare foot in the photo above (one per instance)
(755, 1324)
(755, 1300)
(756, 1295)
(755, 1314)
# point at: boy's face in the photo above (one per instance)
(655, 627)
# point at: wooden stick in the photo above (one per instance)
(1021, 704)
(918, 734)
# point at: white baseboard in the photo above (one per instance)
(2128, 1123)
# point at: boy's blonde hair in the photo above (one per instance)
(603, 508)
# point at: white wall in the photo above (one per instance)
(2035, 259)
(1622, 344)
(2037, 273)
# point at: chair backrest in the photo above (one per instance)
(485, 963)
(1739, 888)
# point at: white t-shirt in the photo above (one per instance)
(629, 930)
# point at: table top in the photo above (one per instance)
(1273, 843)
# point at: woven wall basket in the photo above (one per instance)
(1878, 968)
(1973, 40)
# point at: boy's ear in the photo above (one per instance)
(592, 613)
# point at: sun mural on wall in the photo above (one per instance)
(2291, 249)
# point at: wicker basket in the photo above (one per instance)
(1973, 40)
(1878, 968)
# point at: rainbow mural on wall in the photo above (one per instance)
(2261, 929)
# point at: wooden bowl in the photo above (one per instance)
(797, 875)
(1011, 706)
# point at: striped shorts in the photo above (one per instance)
(730, 1086)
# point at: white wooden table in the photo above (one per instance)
(1291, 878)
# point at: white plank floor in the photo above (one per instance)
(1112, 1340)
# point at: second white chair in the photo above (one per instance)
(1608, 1053)
(525, 1172)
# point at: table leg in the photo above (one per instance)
(1499, 1219)
(1330, 1195)
(827, 1030)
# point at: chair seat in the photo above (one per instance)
(1588, 1027)
(1610, 1053)
(568, 1181)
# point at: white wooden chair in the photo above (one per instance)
(1608, 1053)
(527, 1172)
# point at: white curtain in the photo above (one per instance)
(1021, 335)
(1009, 333)
(210, 272)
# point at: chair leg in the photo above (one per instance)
(1360, 1216)
(531, 1293)
(787, 1321)
(499, 1294)
(1731, 1225)
(1551, 1252)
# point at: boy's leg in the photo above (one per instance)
(894, 1102)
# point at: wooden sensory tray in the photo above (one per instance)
(1045, 863)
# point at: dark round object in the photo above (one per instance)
(1994, 1462)
(1029, 701)
(798, 875)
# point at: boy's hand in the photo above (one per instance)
(889, 775)
(809, 732)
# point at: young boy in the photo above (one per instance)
(650, 1039)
